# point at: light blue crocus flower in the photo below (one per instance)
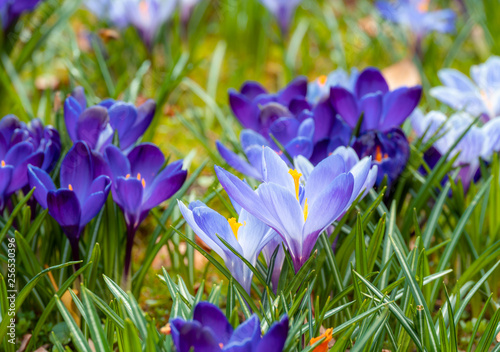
(415, 15)
(479, 96)
(319, 89)
(297, 212)
(247, 236)
(479, 142)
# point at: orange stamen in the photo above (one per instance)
(3, 163)
(138, 175)
(128, 176)
(70, 187)
(323, 347)
(143, 182)
(378, 154)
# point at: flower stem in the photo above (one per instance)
(128, 257)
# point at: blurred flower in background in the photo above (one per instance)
(283, 10)
(478, 142)
(146, 16)
(210, 330)
(479, 96)
(22, 145)
(10, 10)
(415, 16)
(187, 7)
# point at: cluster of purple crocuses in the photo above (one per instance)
(135, 173)
(360, 112)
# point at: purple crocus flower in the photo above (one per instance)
(382, 111)
(477, 143)
(415, 15)
(210, 331)
(140, 183)
(283, 11)
(97, 124)
(112, 10)
(80, 197)
(246, 235)
(22, 145)
(479, 96)
(257, 109)
(299, 213)
(11, 10)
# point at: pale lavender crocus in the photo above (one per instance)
(247, 235)
(297, 212)
(478, 95)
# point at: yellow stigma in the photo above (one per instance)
(143, 6)
(322, 80)
(296, 177)
(3, 163)
(128, 176)
(70, 187)
(306, 209)
(143, 182)
(234, 226)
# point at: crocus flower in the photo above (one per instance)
(97, 124)
(477, 143)
(148, 16)
(257, 109)
(247, 235)
(479, 96)
(283, 11)
(415, 15)
(382, 113)
(298, 213)
(140, 183)
(80, 197)
(10, 10)
(210, 331)
(22, 145)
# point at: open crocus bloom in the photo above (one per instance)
(140, 184)
(478, 142)
(81, 195)
(479, 96)
(210, 331)
(97, 124)
(22, 145)
(381, 109)
(247, 236)
(415, 15)
(283, 10)
(299, 213)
